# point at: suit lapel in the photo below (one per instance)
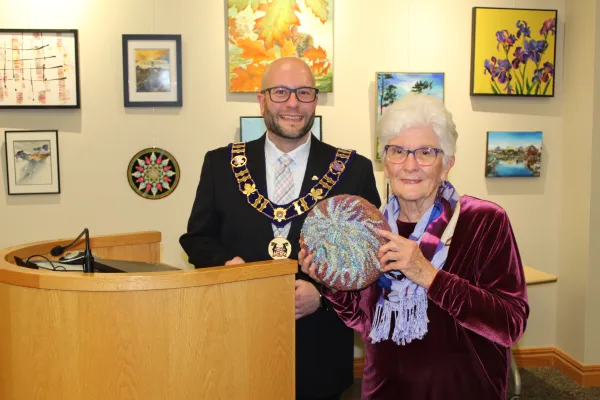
(255, 153)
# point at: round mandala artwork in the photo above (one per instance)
(153, 173)
(341, 231)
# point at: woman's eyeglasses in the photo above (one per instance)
(425, 156)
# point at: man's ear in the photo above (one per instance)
(261, 102)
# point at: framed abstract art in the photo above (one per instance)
(513, 52)
(32, 162)
(252, 128)
(513, 154)
(39, 68)
(152, 72)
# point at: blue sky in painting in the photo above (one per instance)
(514, 139)
(405, 81)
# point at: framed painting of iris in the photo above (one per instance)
(513, 154)
(513, 52)
(152, 71)
(392, 86)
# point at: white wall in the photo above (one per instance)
(97, 142)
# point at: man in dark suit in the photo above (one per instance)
(234, 222)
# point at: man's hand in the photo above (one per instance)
(235, 260)
(308, 298)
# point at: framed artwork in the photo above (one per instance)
(32, 162)
(392, 86)
(152, 71)
(513, 52)
(39, 68)
(261, 31)
(153, 173)
(513, 154)
(252, 128)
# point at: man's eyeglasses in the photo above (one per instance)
(425, 156)
(281, 94)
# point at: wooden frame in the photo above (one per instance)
(40, 68)
(32, 165)
(152, 71)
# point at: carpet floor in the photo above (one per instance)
(544, 383)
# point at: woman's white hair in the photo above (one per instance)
(414, 110)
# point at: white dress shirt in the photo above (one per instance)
(298, 167)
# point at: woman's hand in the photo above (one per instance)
(307, 266)
(404, 255)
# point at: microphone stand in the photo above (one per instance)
(88, 258)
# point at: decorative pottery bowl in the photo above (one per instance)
(341, 231)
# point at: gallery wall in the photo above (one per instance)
(98, 141)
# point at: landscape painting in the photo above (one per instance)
(152, 70)
(261, 31)
(392, 86)
(32, 162)
(514, 154)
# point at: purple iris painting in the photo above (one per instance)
(513, 52)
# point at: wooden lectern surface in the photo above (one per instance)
(219, 333)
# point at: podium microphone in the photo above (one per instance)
(88, 259)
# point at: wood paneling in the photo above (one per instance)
(218, 333)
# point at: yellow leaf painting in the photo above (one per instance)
(260, 31)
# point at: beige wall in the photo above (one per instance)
(97, 142)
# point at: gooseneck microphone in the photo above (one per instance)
(88, 259)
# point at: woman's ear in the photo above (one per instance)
(447, 167)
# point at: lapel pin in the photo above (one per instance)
(315, 178)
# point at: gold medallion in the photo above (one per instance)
(280, 248)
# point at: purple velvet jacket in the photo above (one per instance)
(477, 309)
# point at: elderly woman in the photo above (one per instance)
(440, 322)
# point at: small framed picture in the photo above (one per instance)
(152, 71)
(251, 128)
(40, 68)
(32, 162)
(513, 154)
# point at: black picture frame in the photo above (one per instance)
(253, 127)
(32, 162)
(31, 84)
(147, 88)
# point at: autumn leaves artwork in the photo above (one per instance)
(513, 52)
(261, 31)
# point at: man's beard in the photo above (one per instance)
(276, 128)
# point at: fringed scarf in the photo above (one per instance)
(403, 299)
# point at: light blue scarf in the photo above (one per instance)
(406, 300)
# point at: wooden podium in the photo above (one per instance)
(218, 333)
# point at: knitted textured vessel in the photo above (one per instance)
(341, 231)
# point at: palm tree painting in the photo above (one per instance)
(392, 86)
